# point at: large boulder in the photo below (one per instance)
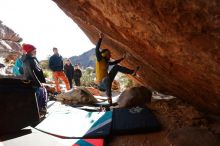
(176, 42)
(79, 95)
(9, 43)
(135, 96)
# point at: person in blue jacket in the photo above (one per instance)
(56, 65)
(18, 67)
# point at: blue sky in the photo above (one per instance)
(43, 24)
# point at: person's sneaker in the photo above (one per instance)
(101, 109)
(107, 108)
(135, 71)
(43, 112)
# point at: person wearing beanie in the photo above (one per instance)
(33, 72)
(32, 69)
(56, 65)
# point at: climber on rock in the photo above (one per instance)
(103, 78)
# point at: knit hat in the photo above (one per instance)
(28, 48)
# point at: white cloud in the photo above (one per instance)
(43, 24)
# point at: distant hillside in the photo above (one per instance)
(87, 59)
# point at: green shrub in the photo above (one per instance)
(88, 77)
(47, 74)
(124, 81)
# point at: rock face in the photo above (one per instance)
(9, 42)
(176, 42)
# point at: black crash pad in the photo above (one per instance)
(134, 120)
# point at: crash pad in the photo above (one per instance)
(89, 142)
(29, 137)
(33, 137)
(68, 122)
(134, 120)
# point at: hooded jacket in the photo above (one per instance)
(33, 71)
(77, 74)
(69, 71)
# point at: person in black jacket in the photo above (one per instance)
(77, 75)
(69, 71)
(31, 67)
(33, 72)
(56, 65)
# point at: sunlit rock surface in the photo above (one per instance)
(9, 42)
(177, 42)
